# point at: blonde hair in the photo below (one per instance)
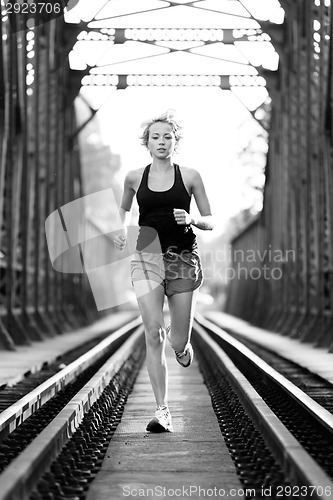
(167, 117)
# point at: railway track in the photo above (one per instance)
(297, 429)
(35, 428)
(279, 437)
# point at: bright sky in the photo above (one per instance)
(212, 118)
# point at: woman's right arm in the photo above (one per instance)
(125, 209)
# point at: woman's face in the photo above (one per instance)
(161, 140)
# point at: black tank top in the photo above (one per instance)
(156, 215)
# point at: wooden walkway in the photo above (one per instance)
(192, 462)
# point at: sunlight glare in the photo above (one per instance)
(218, 123)
(265, 10)
(75, 61)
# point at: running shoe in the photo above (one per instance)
(185, 358)
(161, 421)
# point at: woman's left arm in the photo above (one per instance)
(205, 220)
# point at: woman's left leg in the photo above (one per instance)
(182, 308)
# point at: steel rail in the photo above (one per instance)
(324, 417)
(18, 480)
(17, 413)
(299, 466)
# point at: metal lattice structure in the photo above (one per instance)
(40, 167)
(180, 44)
(294, 233)
(39, 171)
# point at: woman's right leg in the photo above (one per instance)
(151, 309)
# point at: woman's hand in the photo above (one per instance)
(181, 216)
(204, 222)
(119, 240)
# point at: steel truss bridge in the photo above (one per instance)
(40, 167)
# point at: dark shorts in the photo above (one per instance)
(177, 273)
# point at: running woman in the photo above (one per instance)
(172, 267)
